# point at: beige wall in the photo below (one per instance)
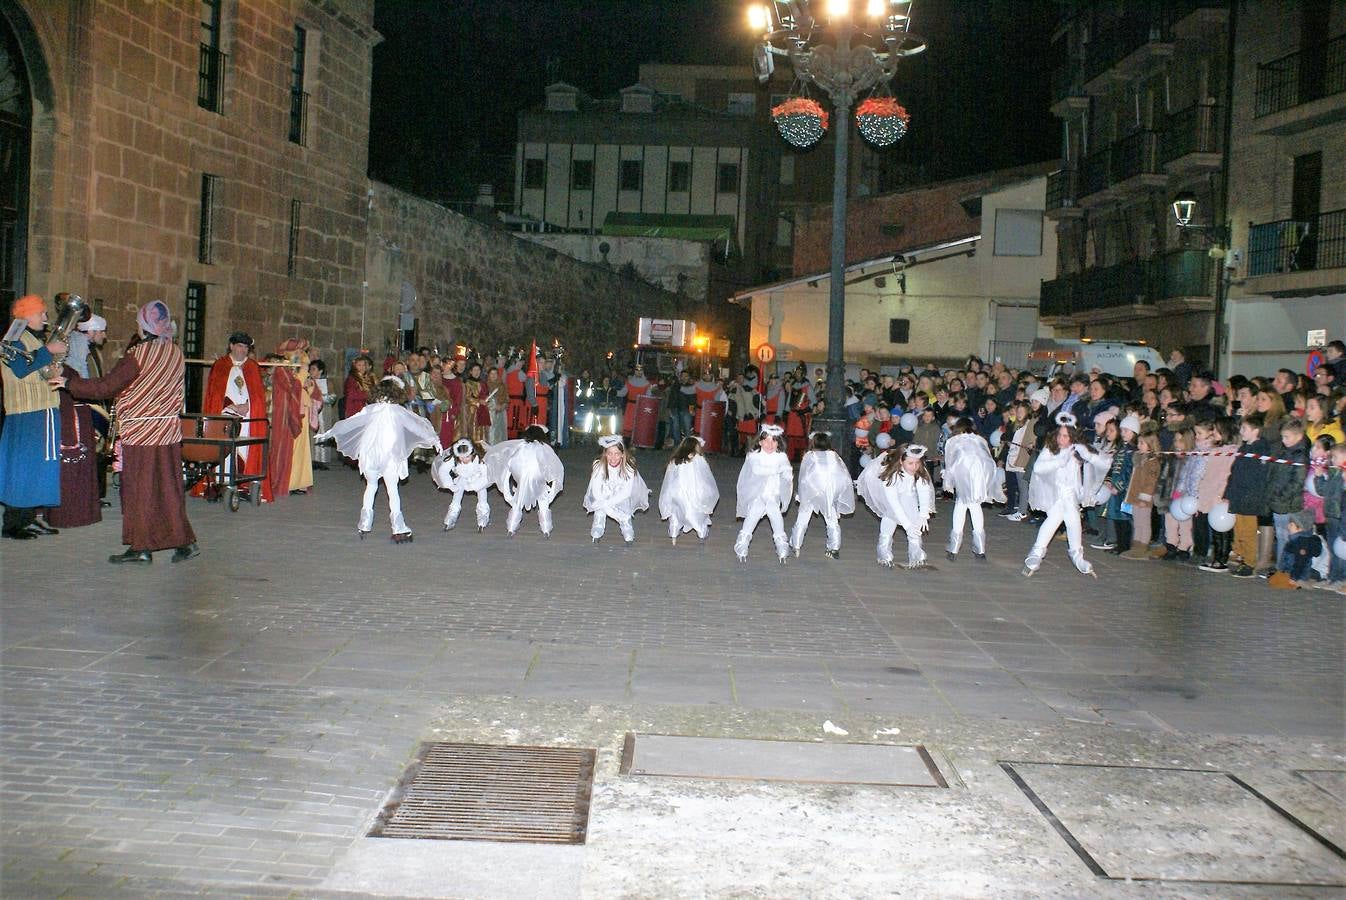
(951, 302)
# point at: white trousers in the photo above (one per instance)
(394, 504)
(623, 522)
(683, 520)
(755, 514)
(515, 517)
(456, 507)
(915, 553)
(1063, 511)
(961, 511)
(804, 516)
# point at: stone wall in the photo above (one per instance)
(484, 287)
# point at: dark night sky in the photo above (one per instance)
(451, 75)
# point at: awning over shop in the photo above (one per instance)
(720, 229)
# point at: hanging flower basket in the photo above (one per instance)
(801, 121)
(882, 120)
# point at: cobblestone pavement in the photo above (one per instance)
(231, 725)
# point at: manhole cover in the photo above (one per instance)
(823, 762)
(482, 792)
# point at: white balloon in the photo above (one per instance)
(1220, 518)
(1339, 547)
(1181, 510)
(908, 421)
(1188, 504)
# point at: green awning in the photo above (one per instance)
(671, 225)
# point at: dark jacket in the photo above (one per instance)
(1329, 487)
(1285, 483)
(1246, 489)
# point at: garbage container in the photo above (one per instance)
(645, 424)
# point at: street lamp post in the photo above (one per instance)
(1216, 238)
(845, 52)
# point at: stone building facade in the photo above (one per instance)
(213, 154)
(1287, 173)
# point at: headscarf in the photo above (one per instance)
(154, 318)
(93, 323)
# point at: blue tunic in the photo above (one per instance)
(30, 449)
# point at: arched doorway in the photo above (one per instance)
(16, 116)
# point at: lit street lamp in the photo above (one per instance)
(845, 47)
(1216, 238)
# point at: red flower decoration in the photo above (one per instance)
(801, 106)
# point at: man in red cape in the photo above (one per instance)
(224, 394)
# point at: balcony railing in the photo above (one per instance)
(1062, 187)
(1185, 273)
(298, 117)
(1135, 154)
(1196, 129)
(1094, 172)
(210, 78)
(1302, 77)
(1114, 41)
(1054, 300)
(1292, 245)
(1135, 282)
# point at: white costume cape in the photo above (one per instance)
(1063, 476)
(766, 477)
(534, 468)
(907, 500)
(969, 470)
(381, 436)
(689, 494)
(825, 484)
(453, 474)
(620, 494)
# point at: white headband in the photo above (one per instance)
(1066, 419)
(608, 441)
(814, 434)
(463, 446)
(395, 380)
(773, 430)
(699, 439)
(915, 450)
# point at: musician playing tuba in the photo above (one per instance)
(30, 442)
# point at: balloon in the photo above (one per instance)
(1339, 547)
(908, 421)
(1183, 508)
(1220, 518)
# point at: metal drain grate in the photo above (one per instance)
(484, 792)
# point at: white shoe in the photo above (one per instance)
(1015, 517)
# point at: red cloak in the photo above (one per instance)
(214, 402)
(287, 418)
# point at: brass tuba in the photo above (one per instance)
(70, 310)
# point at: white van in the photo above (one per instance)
(1051, 357)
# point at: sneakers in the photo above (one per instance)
(1007, 514)
(1015, 517)
(1104, 545)
(1213, 567)
(1243, 572)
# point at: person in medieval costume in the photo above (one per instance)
(30, 439)
(234, 388)
(309, 399)
(631, 390)
(562, 407)
(288, 415)
(381, 437)
(451, 391)
(516, 388)
(148, 385)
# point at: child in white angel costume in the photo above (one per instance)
(970, 473)
(1066, 476)
(380, 438)
(764, 488)
(616, 490)
(898, 489)
(825, 488)
(689, 492)
(462, 470)
(529, 474)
